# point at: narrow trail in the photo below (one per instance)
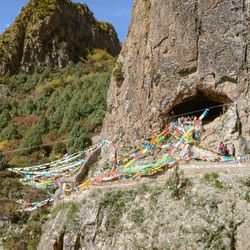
(192, 169)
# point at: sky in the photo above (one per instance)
(117, 12)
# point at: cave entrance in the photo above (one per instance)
(198, 103)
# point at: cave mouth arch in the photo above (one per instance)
(195, 105)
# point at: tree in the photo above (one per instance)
(26, 107)
(42, 126)
(3, 162)
(78, 138)
(32, 140)
(5, 118)
(4, 104)
(9, 133)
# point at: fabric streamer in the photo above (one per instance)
(176, 140)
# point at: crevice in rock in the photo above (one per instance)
(59, 243)
(187, 71)
(225, 79)
(160, 43)
(238, 124)
(244, 5)
(215, 4)
(246, 54)
(78, 242)
(246, 11)
(198, 24)
(99, 219)
(234, 223)
(149, 94)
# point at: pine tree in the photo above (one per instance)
(3, 162)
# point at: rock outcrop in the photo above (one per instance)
(52, 33)
(207, 213)
(175, 50)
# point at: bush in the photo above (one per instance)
(3, 162)
(210, 177)
(59, 148)
(9, 133)
(137, 215)
(178, 183)
(26, 107)
(4, 105)
(5, 118)
(42, 126)
(118, 74)
(246, 182)
(78, 138)
(31, 141)
(213, 178)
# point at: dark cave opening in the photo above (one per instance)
(195, 106)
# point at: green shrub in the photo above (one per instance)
(113, 204)
(78, 138)
(31, 141)
(3, 162)
(213, 178)
(137, 215)
(246, 182)
(26, 107)
(118, 74)
(57, 117)
(210, 177)
(9, 133)
(42, 126)
(178, 183)
(59, 148)
(4, 105)
(5, 118)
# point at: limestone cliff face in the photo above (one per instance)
(175, 49)
(52, 33)
(149, 216)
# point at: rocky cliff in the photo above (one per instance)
(52, 33)
(211, 212)
(183, 56)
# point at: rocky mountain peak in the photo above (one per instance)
(52, 33)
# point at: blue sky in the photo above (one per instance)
(117, 12)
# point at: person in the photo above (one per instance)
(179, 121)
(226, 150)
(233, 153)
(115, 160)
(221, 148)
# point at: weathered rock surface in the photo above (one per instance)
(175, 49)
(212, 213)
(52, 33)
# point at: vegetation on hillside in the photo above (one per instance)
(65, 106)
(43, 116)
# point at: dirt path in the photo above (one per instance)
(190, 169)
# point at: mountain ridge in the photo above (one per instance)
(52, 33)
